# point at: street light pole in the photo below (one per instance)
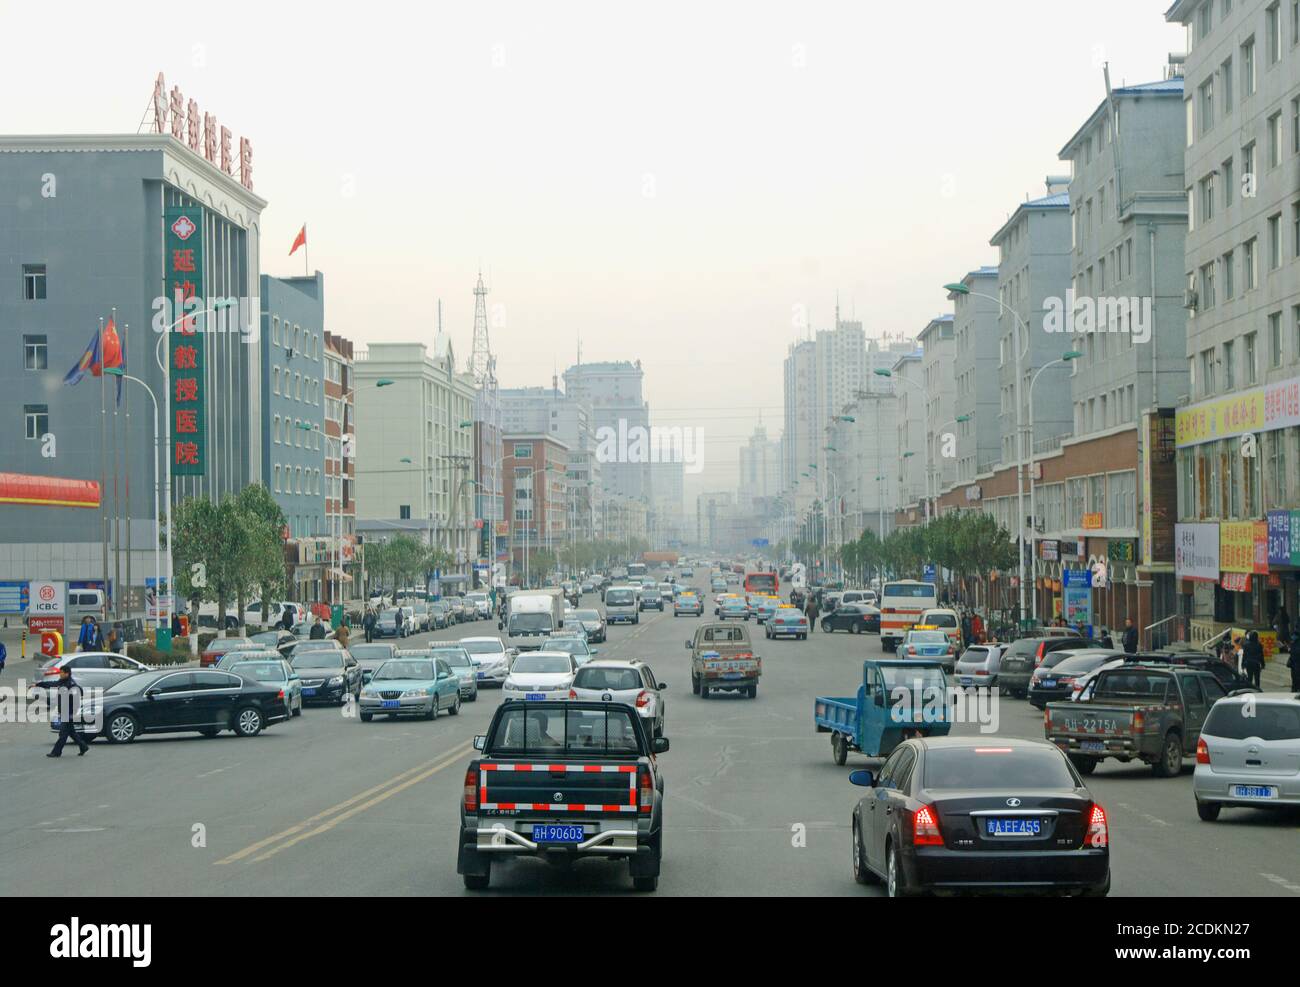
(157, 470)
(1033, 514)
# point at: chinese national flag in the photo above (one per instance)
(299, 240)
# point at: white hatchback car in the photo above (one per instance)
(1248, 754)
(631, 681)
(540, 675)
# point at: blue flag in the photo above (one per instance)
(87, 363)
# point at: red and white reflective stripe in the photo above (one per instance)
(627, 769)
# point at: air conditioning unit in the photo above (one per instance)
(1190, 300)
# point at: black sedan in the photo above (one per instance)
(205, 701)
(1054, 678)
(329, 675)
(279, 640)
(958, 814)
(856, 618)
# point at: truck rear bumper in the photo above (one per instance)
(502, 839)
(1124, 748)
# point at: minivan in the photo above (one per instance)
(621, 605)
(85, 603)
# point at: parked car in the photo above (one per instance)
(410, 684)
(1248, 755)
(978, 666)
(386, 624)
(1056, 675)
(960, 814)
(1022, 656)
(205, 701)
(623, 681)
(220, 645)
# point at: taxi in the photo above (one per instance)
(688, 602)
(732, 605)
(928, 641)
(765, 606)
(787, 620)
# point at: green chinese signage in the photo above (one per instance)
(1120, 551)
(183, 264)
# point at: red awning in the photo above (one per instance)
(52, 491)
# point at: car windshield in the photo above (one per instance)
(133, 683)
(911, 678)
(584, 732)
(456, 657)
(915, 591)
(999, 768)
(573, 645)
(927, 637)
(230, 643)
(611, 679)
(319, 659)
(941, 620)
(530, 622)
(975, 654)
(587, 615)
(542, 663)
(1054, 658)
(271, 638)
(263, 671)
(1249, 720)
(322, 644)
(404, 668)
(493, 647)
(620, 597)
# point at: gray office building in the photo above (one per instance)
(83, 237)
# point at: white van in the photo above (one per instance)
(84, 603)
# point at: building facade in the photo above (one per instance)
(976, 373)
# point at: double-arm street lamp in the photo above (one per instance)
(1064, 360)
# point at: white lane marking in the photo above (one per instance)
(730, 817)
(84, 829)
(1144, 816)
(214, 771)
(1282, 882)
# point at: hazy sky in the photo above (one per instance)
(672, 182)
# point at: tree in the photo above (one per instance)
(266, 547)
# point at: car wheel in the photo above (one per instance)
(1170, 763)
(473, 696)
(1208, 811)
(1084, 765)
(248, 722)
(367, 717)
(855, 629)
(704, 690)
(751, 691)
(839, 748)
(455, 707)
(695, 685)
(477, 882)
(297, 710)
(122, 728)
(826, 627)
(433, 710)
(861, 873)
(895, 883)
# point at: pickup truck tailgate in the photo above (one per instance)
(507, 788)
(738, 666)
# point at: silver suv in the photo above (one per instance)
(628, 681)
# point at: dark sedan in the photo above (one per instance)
(959, 814)
(205, 701)
(328, 675)
(1054, 678)
(281, 641)
(856, 618)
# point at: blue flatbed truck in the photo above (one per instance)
(898, 699)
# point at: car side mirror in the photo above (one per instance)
(151, 694)
(479, 742)
(689, 645)
(862, 778)
(661, 686)
(660, 745)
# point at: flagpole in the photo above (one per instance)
(103, 460)
(126, 458)
(117, 469)
(305, 251)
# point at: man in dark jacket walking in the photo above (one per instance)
(1130, 642)
(1252, 658)
(1293, 662)
(286, 620)
(812, 613)
(65, 700)
(317, 630)
(368, 624)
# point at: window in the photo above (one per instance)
(37, 417)
(1248, 67)
(1229, 366)
(1249, 264)
(1203, 21)
(1295, 125)
(1122, 507)
(1225, 85)
(1207, 198)
(1295, 22)
(33, 282)
(1249, 357)
(1207, 287)
(524, 450)
(1275, 140)
(1275, 339)
(1206, 93)
(1274, 241)
(1227, 183)
(277, 476)
(1248, 168)
(1295, 326)
(277, 429)
(35, 353)
(1273, 33)
(1229, 281)
(275, 379)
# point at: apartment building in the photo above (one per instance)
(938, 375)
(976, 373)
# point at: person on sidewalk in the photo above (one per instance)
(1292, 663)
(66, 700)
(1282, 624)
(91, 638)
(1252, 658)
(1106, 640)
(286, 621)
(317, 629)
(341, 635)
(1130, 640)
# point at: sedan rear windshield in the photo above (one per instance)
(453, 656)
(1078, 664)
(1267, 721)
(541, 664)
(1000, 768)
(263, 671)
(319, 659)
(613, 679)
(483, 647)
(576, 732)
(1136, 684)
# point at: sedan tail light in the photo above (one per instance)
(1098, 834)
(1038, 656)
(471, 790)
(573, 694)
(1202, 751)
(925, 827)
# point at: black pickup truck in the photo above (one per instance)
(563, 780)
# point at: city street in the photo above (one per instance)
(328, 805)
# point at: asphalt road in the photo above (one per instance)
(327, 805)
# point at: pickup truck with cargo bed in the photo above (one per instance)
(722, 657)
(897, 700)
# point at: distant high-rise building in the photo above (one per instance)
(613, 392)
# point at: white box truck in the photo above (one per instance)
(532, 616)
